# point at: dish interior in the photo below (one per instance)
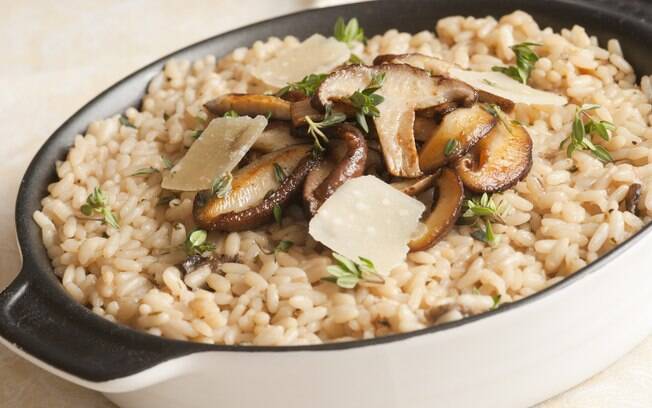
(565, 213)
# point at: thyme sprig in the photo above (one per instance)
(347, 274)
(366, 101)
(331, 118)
(482, 212)
(308, 85)
(97, 203)
(584, 125)
(525, 60)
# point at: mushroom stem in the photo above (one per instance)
(352, 165)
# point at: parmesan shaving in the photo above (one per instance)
(218, 150)
(366, 217)
(316, 55)
(499, 84)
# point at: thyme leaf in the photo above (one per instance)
(348, 32)
(97, 203)
(196, 244)
(347, 274)
(222, 185)
(525, 60)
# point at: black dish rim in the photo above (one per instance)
(37, 315)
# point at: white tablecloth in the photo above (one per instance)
(57, 55)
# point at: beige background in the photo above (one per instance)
(57, 55)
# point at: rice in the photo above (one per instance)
(564, 215)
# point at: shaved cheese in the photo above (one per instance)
(218, 150)
(367, 217)
(499, 84)
(316, 55)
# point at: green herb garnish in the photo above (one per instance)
(308, 85)
(222, 185)
(196, 243)
(525, 60)
(167, 163)
(96, 203)
(348, 32)
(125, 122)
(283, 246)
(354, 59)
(367, 100)
(231, 114)
(347, 274)
(331, 118)
(279, 173)
(278, 214)
(197, 133)
(145, 171)
(496, 300)
(450, 147)
(497, 113)
(580, 137)
(482, 211)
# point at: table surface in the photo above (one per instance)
(62, 55)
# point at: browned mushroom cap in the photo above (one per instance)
(498, 161)
(255, 191)
(352, 165)
(459, 130)
(449, 195)
(438, 66)
(251, 105)
(276, 136)
(405, 89)
(415, 186)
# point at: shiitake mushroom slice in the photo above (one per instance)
(449, 196)
(457, 133)
(250, 105)
(498, 161)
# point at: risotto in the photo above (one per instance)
(133, 252)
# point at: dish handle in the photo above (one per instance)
(44, 325)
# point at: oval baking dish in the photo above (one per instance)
(516, 356)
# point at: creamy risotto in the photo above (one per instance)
(303, 191)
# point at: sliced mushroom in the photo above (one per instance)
(405, 89)
(498, 161)
(449, 197)
(352, 165)
(438, 66)
(424, 128)
(250, 105)
(255, 191)
(276, 136)
(632, 198)
(413, 187)
(459, 130)
(314, 180)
